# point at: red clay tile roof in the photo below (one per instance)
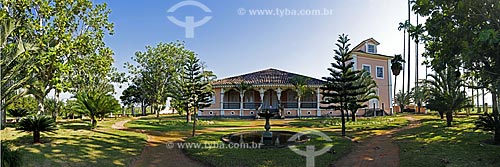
(266, 77)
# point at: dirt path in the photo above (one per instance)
(156, 154)
(376, 151)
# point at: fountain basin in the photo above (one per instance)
(278, 139)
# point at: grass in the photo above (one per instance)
(434, 144)
(178, 123)
(75, 144)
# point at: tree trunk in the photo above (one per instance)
(441, 114)
(395, 79)
(194, 124)
(347, 114)
(353, 115)
(36, 136)
(343, 122)
(143, 108)
(41, 109)
(449, 118)
(56, 106)
(495, 114)
(93, 121)
(298, 107)
(188, 116)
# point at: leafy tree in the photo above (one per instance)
(37, 124)
(367, 90)
(156, 68)
(198, 87)
(446, 95)
(64, 32)
(26, 102)
(340, 88)
(300, 85)
(403, 99)
(131, 96)
(95, 104)
(465, 33)
(396, 67)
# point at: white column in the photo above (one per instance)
(318, 111)
(278, 92)
(389, 76)
(242, 94)
(222, 101)
(262, 91)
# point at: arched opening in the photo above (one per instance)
(232, 99)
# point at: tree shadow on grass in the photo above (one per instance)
(434, 144)
(82, 148)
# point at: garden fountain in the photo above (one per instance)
(267, 138)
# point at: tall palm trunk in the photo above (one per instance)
(395, 82)
(404, 63)
(409, 74)
(416, 65)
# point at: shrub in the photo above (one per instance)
(37, 124)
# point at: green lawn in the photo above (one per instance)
(434, 144)
(178, 123)
(75, 144)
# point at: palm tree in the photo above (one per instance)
(242, 87)
(396, 66)
(13, 62)
(368, 88)
(37, 124)
(446, 95)
(402, 99)
(421, 94)
(300, 85)
(95, 105)
(405, 27)
(18, 113)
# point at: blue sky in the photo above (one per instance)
(232, 44)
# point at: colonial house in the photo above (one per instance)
(272, 89)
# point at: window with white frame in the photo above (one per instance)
(367, 68)
(370, 48)
(380, 72)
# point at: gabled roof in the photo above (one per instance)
(266, 77)
(361, 44)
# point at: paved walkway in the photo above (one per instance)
(377, 151)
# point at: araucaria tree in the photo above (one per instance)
(367, 92)
(198, 87)
(341, 89)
